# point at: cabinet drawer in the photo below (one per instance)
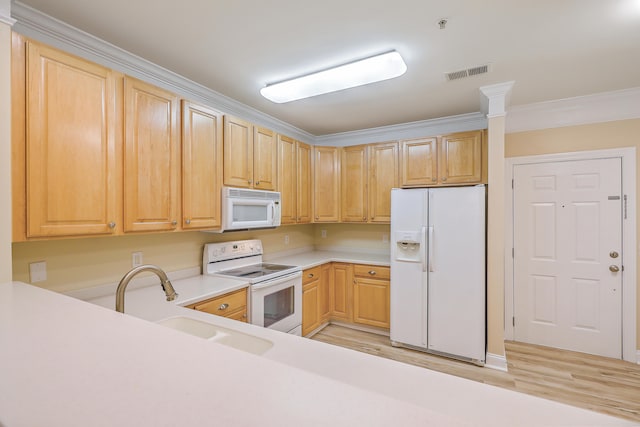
(224, 304)
(371, 271)
(311, 274)
(240, 315)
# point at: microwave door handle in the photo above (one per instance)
(273, 213)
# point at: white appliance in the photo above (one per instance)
(275, 292)
(244, 209)
(438, 275)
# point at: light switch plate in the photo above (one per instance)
(38, 271)
(323, 234)
(136, 259)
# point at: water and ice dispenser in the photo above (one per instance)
(408, 246)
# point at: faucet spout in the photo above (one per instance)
(164, 282)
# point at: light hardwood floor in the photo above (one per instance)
(600, 384)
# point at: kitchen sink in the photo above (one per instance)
(219, 334)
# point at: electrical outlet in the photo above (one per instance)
(323, 234)
(385, 238)
(38, 271)
(136, 259)
(286, 239)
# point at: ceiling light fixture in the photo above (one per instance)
(369, 70)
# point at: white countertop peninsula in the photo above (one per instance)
(65, 362)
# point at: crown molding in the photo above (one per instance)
(460, 123)
(494, 99)
(600, 107)
(5, 16)
(37, 25)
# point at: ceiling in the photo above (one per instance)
(552, 49)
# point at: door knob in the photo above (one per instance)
(614, 268)
(613, 254)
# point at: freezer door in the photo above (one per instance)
(408, 266)
(456, 290)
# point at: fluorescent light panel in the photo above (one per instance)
(370, 70)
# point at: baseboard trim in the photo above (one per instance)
(638, 357)
(496, 361)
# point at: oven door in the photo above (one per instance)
(277, 303)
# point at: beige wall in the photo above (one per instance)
(5, 149)
(80, 263)
(597, 136)
(367, 237)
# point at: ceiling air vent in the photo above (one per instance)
(469, 72)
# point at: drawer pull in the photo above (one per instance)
(310, 275)
(223, 306)
(372, 272)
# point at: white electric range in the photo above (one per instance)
(275, 292)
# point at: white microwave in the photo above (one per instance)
(244, 209)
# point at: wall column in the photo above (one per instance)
(494, 100)
(5, 140)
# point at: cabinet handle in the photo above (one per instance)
(188, 221)
(174, 222)
(372, 272)
(310, 275)
(223, 306)
(112, 225)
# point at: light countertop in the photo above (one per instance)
(82, 364)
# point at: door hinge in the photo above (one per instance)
(513, 321)
(513, 253)
(512, 184)
(625, 206)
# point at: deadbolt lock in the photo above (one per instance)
(613, 254)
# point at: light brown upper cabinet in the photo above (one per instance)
(461, 158)
(66, 144)
(354, 197)
(326, 180)
(294, 180)
(201, 171)
(250, 155)
(453, 159)
(151, 168)
(369, 173)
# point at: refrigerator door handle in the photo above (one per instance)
(431, 266)
(423, 249)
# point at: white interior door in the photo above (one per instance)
(568, 255)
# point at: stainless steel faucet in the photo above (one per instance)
(164, 281)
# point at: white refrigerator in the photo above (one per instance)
(438, 273)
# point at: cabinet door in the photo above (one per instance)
(324, 292)
(238, 152)
(150, 158)
(71, 147)
(419, 162)
(201, 174)
(304, 183)
(310, 305)
(326, 183)
(371, 302)
(461, 158)
(383, 176)
(265, 159)
(341, 292)
(287, 179)
(354, 191)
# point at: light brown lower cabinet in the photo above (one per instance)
(232, 305)
(348, 293)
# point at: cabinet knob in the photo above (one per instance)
(444, 178)
(257, 182)
(364, 218)
(188, 221)
(223, 306)
(249, 182)
(112, 225)
(372, 272)
(317, 218)
(434, 179)
(174, 222)
(310, 275)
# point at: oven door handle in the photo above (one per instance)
(276, 281)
